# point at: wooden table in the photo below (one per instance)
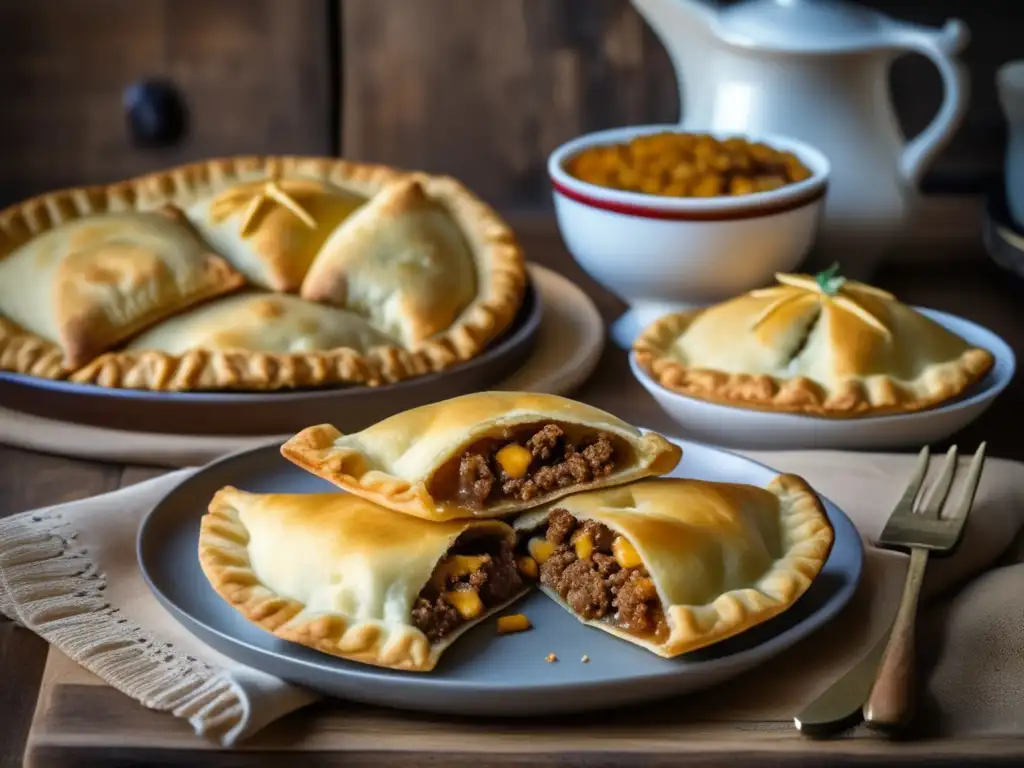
(971, 287)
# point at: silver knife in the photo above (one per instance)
(841, 705)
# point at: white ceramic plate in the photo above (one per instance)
(745, 428)
(483, 673)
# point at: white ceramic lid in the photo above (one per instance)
(805, 25)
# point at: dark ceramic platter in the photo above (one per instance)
(482, 673)
(271, 413)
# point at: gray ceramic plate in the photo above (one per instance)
(481, 674)
(271, 413)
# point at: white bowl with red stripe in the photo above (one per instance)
(665, 254)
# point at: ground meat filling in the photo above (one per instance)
(495, 581)
(556, 462)
(597, 587)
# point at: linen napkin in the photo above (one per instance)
(69, 574)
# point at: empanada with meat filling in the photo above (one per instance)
(674, 565)
(346, 577)
(483, 455)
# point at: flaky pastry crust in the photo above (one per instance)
(27, 353)
(859, 353)
(343, 554)
(394, 462)
(765, 546)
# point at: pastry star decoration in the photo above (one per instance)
(828, 286)
(258, 193)
(271, 192)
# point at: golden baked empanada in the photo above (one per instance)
(823, 346)
(482, 455)
(271, 229)
(261, 322)
(400, 260)
(339, 574)
(90, 283)
(674, 565)
(245, 340)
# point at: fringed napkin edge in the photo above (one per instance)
(49, 585)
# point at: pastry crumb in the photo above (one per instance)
(551, 658)
(585, 658)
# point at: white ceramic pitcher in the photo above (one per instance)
(818, 70)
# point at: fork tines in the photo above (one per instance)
(917, 519)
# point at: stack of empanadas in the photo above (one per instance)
(453, 510)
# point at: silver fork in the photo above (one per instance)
(923, 529)
(885, 699)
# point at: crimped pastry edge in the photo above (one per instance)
(882, 395)
(347, 467)
(224, 559)
(25, 352)
(807, 537)
(490, 239)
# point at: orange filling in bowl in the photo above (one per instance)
(687, 165)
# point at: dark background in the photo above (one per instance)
(482, 89)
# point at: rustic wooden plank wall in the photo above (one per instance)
(254, 74)
(483, 90)
(486, 90)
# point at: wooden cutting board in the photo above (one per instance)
(79, 721)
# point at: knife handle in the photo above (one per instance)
(890, 705)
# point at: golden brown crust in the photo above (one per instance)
(713, 517)
(204, 369)
(800, 395)
(808, 537)
(90, 332)
(224, 558)
(27, 353)
(225, 561)
(502, 273)
(231, 554)
(500, 294)
(393, 462)
(188, 183)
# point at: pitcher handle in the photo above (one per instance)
(941, 48)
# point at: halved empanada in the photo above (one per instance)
(675, 565)
(401, 260)
(339, 574)
(90, 283)
(483, 455)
